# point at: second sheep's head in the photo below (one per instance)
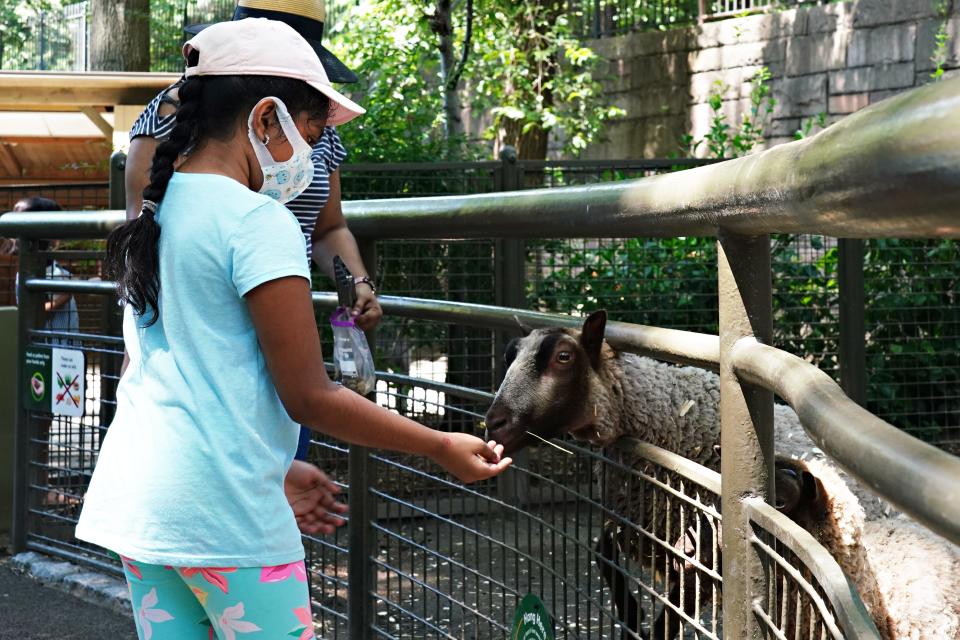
(552, 377)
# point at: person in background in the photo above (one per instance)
(187, 488)
(317, 210)
(61, 309)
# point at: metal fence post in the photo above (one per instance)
(111, 316)
(29, 306)
(852, 351)
(360, 583)
(746, 421)
(510, 291)
(118, 191)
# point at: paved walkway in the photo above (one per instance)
(31, 611)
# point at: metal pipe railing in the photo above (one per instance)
(918, 478)
(673, 345)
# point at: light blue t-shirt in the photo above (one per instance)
(191, 470)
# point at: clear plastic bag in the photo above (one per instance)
(352, 359)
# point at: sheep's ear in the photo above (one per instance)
(510, 353)
(811, 487)
(591, 337)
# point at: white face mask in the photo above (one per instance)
(283, 180)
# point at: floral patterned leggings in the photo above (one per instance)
(189, 603)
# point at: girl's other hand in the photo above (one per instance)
(313, 497)
(469, 458)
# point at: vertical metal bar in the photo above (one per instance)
(360, 584)
(701, 11)
(360, 574)
(746, 422)
(29, 309)
(509, 285)
(853, 353)
(42, 36)
(118, 195)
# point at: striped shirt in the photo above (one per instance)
(328, 154)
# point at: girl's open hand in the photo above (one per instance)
(313, 497)
(469, 458)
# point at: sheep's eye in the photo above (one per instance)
(564, 357)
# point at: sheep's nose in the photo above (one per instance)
(498, 416)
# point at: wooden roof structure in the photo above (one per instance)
(57, 126)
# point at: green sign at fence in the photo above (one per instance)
(53, 381)
(532, 622)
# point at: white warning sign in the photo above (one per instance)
(67, 382)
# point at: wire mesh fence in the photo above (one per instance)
(47, 40)
(58, 39)
(605, 18)
(622, 542)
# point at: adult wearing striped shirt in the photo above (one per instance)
(310, 492)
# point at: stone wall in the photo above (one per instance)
(832, 59)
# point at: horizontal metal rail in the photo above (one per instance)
(891, 170)
(918, 478)
(673, 345)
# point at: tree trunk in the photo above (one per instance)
(443, 27)
(120, 35)
(532, 144)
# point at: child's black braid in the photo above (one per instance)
(133, 258)
(184, 132)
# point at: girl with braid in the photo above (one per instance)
(188, 487)
(318, 210)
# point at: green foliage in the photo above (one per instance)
(913, 329)
(941, 39)
(389, 45)
(725, 141)
(521, 67)
(167, 19)
(807, 125)
(533, 73)
(20, 35)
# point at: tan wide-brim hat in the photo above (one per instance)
(305, 16)
(261, 47)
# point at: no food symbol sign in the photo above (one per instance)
(532, 622)
(54, 380)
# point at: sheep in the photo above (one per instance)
(907, 576)
(561, 380)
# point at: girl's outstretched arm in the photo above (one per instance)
(282, 313)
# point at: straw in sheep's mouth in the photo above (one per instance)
(555, 446)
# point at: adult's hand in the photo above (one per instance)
(366, 312)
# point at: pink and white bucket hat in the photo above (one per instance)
(261, 47)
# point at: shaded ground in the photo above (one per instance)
(30, 610)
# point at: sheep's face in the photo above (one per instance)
(799, 494)
(547, 386)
